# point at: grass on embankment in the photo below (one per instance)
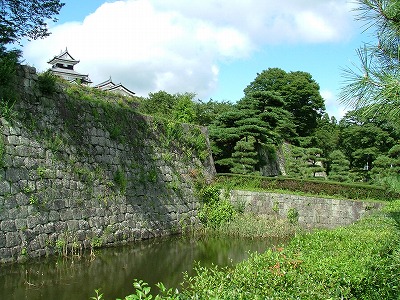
(254, 226)
(360, 261)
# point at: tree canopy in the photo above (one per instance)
(26, 18)
(300, 94)
(256, 122)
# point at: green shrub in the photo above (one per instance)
(120, 180)
(47, 83)
(293, 216)
(255, 226)
(8, 71)
(215, 211)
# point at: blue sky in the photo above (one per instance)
(213, 48)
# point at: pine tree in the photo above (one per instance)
(245, 157)
(375, 84)
(315, 161)
(340, 166)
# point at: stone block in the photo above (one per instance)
(77, 213)
(42, 240)
(22, 199)
(5, 188)
(21, 224)
(5, 255)
(2, 240)
(60, 226)
(54, 216)
(33, 221)
(24, 151)
(33, 247)
(73, 225)
(12, 239)
(80, 235)
(83, 225)
(13, 140)
(7, 225)
(17, 174)
(66, 214)
(48, 228)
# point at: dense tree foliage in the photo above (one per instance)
(177, 107)
(363, 139)
(340, 166)
(375, 84)
(26, 18)
(300, 93)
(386, 168)
(255, 123)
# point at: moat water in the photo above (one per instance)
(113, 269)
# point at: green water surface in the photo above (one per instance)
(114, 269)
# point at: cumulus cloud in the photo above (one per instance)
(333, 108)
(177, 45)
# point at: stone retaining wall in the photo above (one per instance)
(311, 212)
(80, 174)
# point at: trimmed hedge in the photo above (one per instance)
(315, 187)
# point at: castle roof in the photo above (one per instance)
(118, 88)
(63, 66)
(64, 58)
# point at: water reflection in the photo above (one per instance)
(113, 269)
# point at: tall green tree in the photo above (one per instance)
(340, 166)
(386, 169)
(326, 136)
(314, 161)
(259, 119)
(207, 112)
(26, 19)
(363, 139)
(296, 165)
(374, 84)
(300, 93)
(245, 157)
(177, 107)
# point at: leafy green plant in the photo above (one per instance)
(47, 83)
(254, 226)
(33, 200)
(293, 215)
(8, 93)
(41, 172)
(275, 207)
(28, 189)
(120, 180)
(215, 211)
(99, 296)
(7, 110)
(61, 246)
(96, 242)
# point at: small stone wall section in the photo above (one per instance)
(68, 183)
(313, 212)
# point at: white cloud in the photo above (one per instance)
(176, 45)
(333, 107)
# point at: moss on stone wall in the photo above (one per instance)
(83, 164)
